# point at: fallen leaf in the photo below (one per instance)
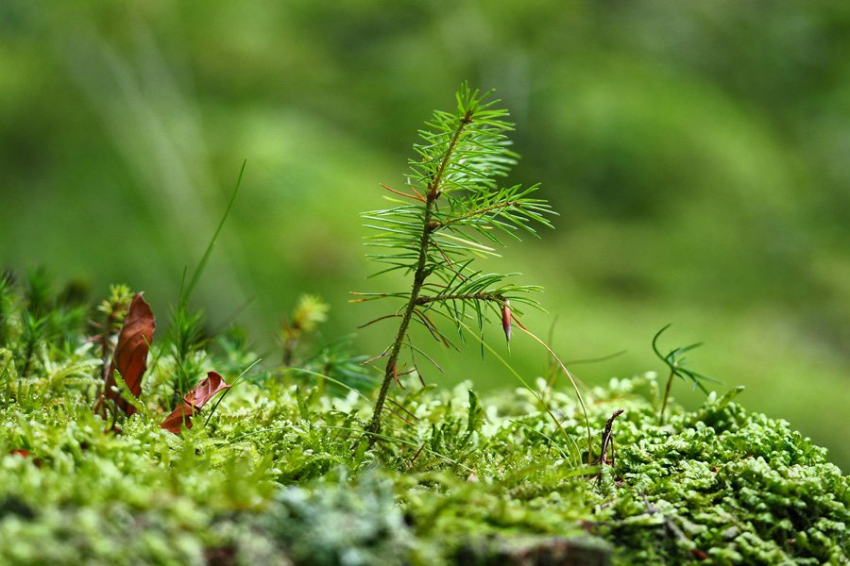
(178, 417)
(193, 401)
(131, 354)
(206, 389)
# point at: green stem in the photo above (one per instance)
(482, 296)
(419, 277)
(666, 396)
(29, 354)
(105, 356)
(476, 213)
(575, 388)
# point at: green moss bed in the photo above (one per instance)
(281, 473)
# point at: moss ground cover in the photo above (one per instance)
(279, 472)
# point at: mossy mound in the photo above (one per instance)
(280, 475)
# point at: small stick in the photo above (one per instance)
(375, 358)
(380, 318)
(393, 413)
(395, 376)
(400, 193)
(402, 407)
(608, 438)
(415, 456)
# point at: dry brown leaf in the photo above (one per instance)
(178, 417)
(206, 389)
(193, 401)
(131, 354)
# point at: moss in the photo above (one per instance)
(281, 475)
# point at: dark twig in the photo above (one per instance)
(608, 440)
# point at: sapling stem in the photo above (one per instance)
(434, 186)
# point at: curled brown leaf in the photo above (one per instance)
(130, 355)
(193, 401)
(178, 417)
(206, 389)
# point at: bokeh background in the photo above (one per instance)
(698, 154)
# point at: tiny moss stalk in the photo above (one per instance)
(666, 397)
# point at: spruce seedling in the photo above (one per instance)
(676, 361)
(453, 211)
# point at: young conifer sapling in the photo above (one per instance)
(452, 210)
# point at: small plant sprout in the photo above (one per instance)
(676, 361)
(608, 444)
(114, 310)
(452, 211)
(309, 313)
(187, 337)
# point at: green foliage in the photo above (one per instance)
(328, 364)
(676, 361)
(186, 357)
(742, 488)
(458, 210)
(278, 475)
(335, 523)
(308, 314)
(283, 474)
(678, 159)
(458, 205)
(187, 335)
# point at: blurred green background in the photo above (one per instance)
(697, 153)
